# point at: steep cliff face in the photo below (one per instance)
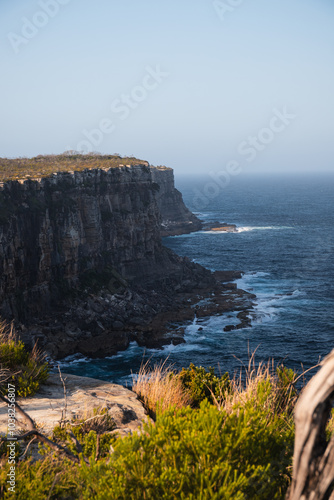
(98, 226)
(176, 218)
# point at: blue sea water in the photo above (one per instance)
(285, 246)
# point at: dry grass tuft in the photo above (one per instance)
(160, 388)
(267, 385)
(7, 332)
(245, 387)
(7, 335)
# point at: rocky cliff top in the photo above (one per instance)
(41, 166)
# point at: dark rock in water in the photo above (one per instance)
(227, 276)
(103, 345)
(229, 328)
(118, 325)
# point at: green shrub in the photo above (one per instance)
(203, 384)
(25, 370)
(87, 431)
(243, 453)
(204, 453)
(287, 393)
(239, 448)
(35, 480)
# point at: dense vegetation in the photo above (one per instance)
(43, 166)
(217, 438)
(205, 453)
(211, 437)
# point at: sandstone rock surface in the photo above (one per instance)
(83, 394)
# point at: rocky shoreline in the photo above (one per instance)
(103, 324)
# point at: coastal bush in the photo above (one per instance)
(239, 447)
(205, 453)
(244, 388)
(203, 384)
(54, 478)
(25, 370)
(92, 433)
(162, 388)
(286, 384)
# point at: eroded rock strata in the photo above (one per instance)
(176, 218)
(83, 268)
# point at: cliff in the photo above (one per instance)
(176, 217)
(82, 265)
(96, 227)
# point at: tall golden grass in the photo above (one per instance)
(245, 387)
(159, 388)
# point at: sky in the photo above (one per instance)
(196, 85)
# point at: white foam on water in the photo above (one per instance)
(261, 228)
(247, 281)
(202, 215)
(246, 229)
(185, 347)
(72, 360)
(269, 301)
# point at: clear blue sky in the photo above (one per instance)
(70, 66)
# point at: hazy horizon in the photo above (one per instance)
(202, 86)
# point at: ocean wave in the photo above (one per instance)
(70, 361)
(261, 228)
(245, 229)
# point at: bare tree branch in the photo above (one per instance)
(313, 469)
(27, 448)
(34, 432)
(64, 411)
(76, 442)
(29, 422)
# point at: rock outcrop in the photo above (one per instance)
(176, 217)
(83, 395)
(92, 228)
(82, 265)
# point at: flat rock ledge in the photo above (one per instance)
(83, 394)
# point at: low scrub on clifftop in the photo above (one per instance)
(44, 166)
(212, 438)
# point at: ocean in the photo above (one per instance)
(284, 244)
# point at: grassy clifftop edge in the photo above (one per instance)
(38, 167)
